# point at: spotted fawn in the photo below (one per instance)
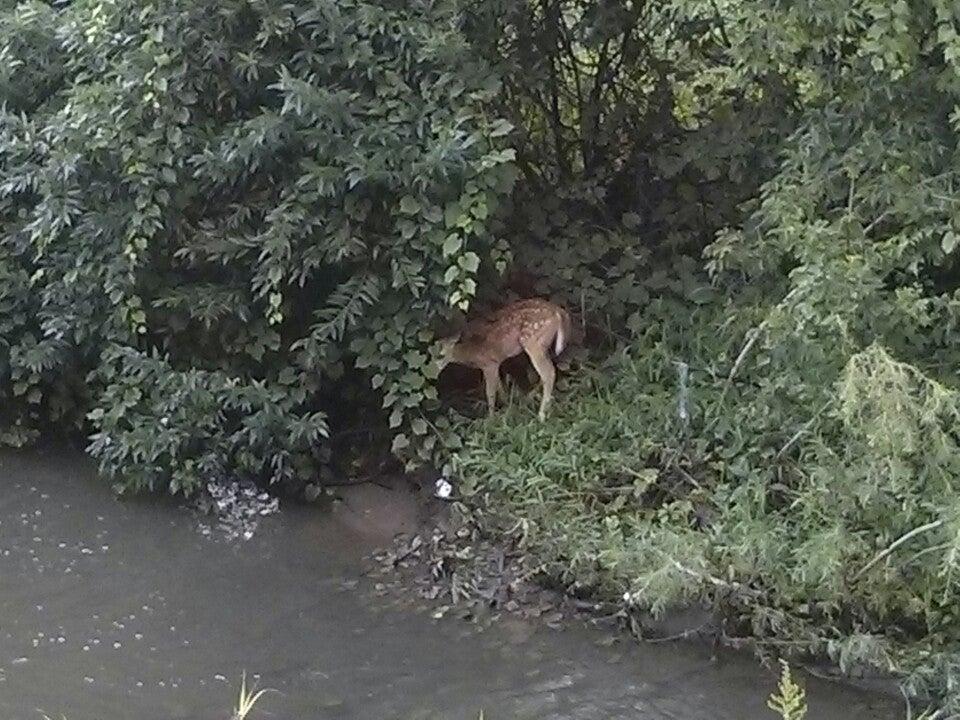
(529, 326)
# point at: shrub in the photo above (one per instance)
(835, 532)
(266, 193)
(159, 428)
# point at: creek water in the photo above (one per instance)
(114, 609)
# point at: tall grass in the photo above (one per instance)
(830, 525)
(247, 699)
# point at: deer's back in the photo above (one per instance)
(501, 335)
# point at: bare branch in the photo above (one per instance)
(897, 543)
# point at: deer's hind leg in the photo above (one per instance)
(542, 363)
(491, 382)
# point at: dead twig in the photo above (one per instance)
(897, 543)
(715, 581)
(752, 336)
(683, 635)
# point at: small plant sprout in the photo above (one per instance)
(247, 699)
(790, 700)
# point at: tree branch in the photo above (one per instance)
(897, 543)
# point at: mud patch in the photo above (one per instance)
(379, 511)
(450, 568)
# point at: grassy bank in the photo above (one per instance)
(824, 526)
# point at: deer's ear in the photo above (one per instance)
(447, 344)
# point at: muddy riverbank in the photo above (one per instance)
(113, 609)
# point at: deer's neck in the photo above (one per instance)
(470, 353)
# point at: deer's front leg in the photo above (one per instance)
(491, 381)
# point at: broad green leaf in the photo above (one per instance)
(452, 244)
(469, 261)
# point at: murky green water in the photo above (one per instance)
(120, 609)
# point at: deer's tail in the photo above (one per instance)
(563, 332)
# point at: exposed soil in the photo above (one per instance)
(448, 567)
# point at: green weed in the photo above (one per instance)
(789, 700)
(247, 699)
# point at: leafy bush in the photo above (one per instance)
(269, 193)
(174, 430)
(808, 485)
(636, 141)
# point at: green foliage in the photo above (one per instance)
(834, 533)
(266, 193)
(249, 219)
(159, 428)
(635, 145)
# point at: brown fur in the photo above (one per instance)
(532, 326)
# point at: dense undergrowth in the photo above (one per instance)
(664, 478)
